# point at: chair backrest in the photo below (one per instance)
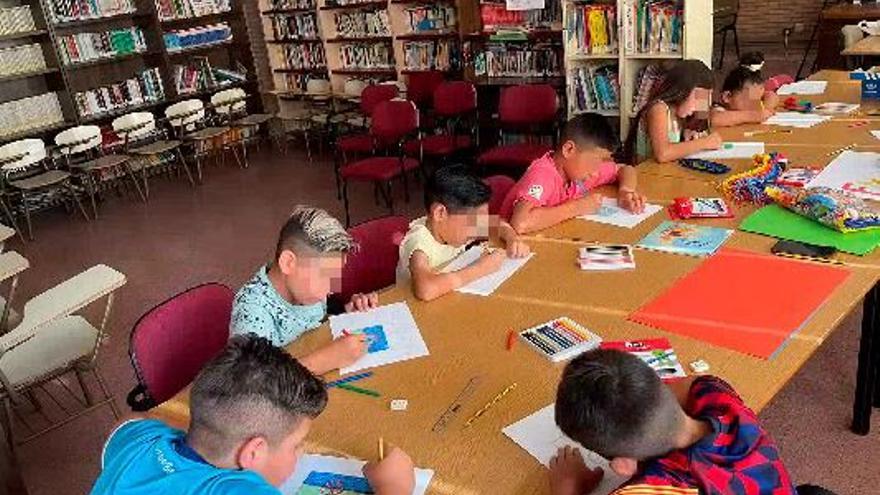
(134, 125)
(421, 86)
(528, 105)
(375, 94)
(393, 120)
(372, 266)
(318, 87)
(455, 98)
(185, 113)
(354, 87)
(78, 139)
(171, 342)
(500, 185)
(777, 81)
(229, 101)
(20, 155)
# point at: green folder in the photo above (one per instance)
(776, 221)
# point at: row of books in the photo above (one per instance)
(305, 56)
(647, 77)
(336, 3)
(591, 29)
(29, 113)
(430, 55)
(21, 59)
(185, 9)
(594, 88)
(496, 16)
(82, 47)
(366, 56)
(144, 88)
(516, 62)
(292, 4)
(653, 26)
(77, 10)
(436, 17)
(362, 23)
(298, 83)
(198, 36)
(295, 27)
(16, 20)
(198, 75)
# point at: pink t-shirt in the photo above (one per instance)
(543, 185)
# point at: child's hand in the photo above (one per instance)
(588, 205)
(491, 262)
(362, 302)
(713, 141)
(393, 475)
(344, 351)
(517, 249)
(570, 476)
(631, 201)
(767, 113)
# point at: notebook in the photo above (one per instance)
(685, 238)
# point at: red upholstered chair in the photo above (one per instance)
(172, 341)
(455, 105)
(372, 267)
(529, 110)
(392, 123)
(500, 185)
(420, 87)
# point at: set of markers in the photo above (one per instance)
(560, 339)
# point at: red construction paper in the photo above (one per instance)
(748, 302)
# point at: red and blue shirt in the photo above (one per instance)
(738, 458)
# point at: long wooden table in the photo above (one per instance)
(867, 46)
(466, 337)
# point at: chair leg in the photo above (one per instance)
(345, 203)
(723, 49)
(390, 198)
(27, 215)
(9, 216)
(189, 175)
(736, 41)
(6, 423)
(87, 394)
(92, 193)
(132, 175)
(107, 395)
(76, 200)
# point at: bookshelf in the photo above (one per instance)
(623, 52)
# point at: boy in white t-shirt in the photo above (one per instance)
(457, 204)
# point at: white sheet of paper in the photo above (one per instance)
(540, 437)
(490, 283)
(797, 119)
(524, 4)
(404, 338)
(855, 172)
(836, 108)
(612, 214)
(803, 88)
(349, 467)
(734, 149)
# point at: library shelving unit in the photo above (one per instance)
(426, 36)
(604, 66)
(91, 61)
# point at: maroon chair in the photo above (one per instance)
(372, 267)
(171, 342)
(500, 185)
(393, 121)
(455, 104)
(529, 110)
(420, 87)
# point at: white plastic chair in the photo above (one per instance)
(51, 341)
(142, 140)
(187, 118)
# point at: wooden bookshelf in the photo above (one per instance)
(379, 4)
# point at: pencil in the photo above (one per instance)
(490, 404)
(381, 449)
(511, 339)
(358, 390)
(349, 379)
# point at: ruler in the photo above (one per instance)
(455, 407)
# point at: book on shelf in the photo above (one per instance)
(362, 23)
(83, 47)
(648, 76)
(591, 28)
(146, 87)
(184, 9)
(304, 56)
(295, 26)
(653, 27)
(21, 59)
(366, 56)
(181, 39)
(78, 10)
(29, 113)
(292, 4)
(198, 75)
(430, 55)
(496, 16)
(511, 61)
(346, 3)
(17, 19)
(594, 88)
(436, 17)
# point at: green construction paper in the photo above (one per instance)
(776, 221)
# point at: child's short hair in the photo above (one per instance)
(747, 72)
(456, 188)
(589, 130)
(311, 229)
(251, 389)
(615, 404)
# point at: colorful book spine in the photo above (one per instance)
(511, 61)
(182, 39)
(361, 23)
(594, 88)
(428, 18)
(84, 47)
(185, 9)
(293, 4)
(656, 26)
(77, 10)
(430, 55)
(146, 87)
(591, 29)
(295, 26)
(16, 20)
(304, 56)
(366, 56)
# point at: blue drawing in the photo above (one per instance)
(376, 340)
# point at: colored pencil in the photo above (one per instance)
(511, 339)
(358, 390)
(489, 404)
(349, 379)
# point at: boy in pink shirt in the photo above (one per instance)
(557, 186)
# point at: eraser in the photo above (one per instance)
(399, 404)
(699, 366)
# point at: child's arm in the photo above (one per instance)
(771, 101)
(730, 118)
(528, 217)
(429, 284)
(516, 248)
(337, 354)
(627, 195)
(393, 475)
(666, 151)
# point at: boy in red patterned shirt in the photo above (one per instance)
(698, 440)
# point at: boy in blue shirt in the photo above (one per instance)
(251, 409)
(288, 297)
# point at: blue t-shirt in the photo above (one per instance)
(146, 457)
(259, 309)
